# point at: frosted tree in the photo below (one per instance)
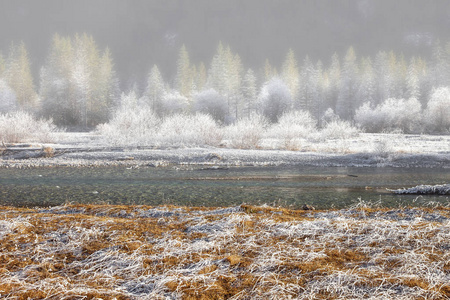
(290, 73)
(310, 96)
(320, 83)
(439, 66)
(381, 73)
(366, 88)
(155, 90)
(249, 93)
(217, 75)
(235, 71)
(82, 72)
(275, 99)
(225, 76)
(19, 78)
(345, 105)
(412, 80)
(269, 71)
(106, 92)
(200, 78)
(56, 87)
(334, 82)
(184, 79)
(397, 75)
(78, 83)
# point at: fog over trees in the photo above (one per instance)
(395, 84)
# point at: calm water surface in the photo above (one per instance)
(197, 186)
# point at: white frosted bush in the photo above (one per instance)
(23, 127)
(131, 124)
(173, 103)
(392, 114)
(274, 99)
(130, 127)
(291, 127)
(189, 130)
(8, 101)
(437, 113)
(247, 132)
(212, 103)
(337, 129)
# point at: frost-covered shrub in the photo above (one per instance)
(131, 124)
(337, 129)
(173, 103)
(23, 127)
(247, 132)
(130, 127)
(291, 127)
(275, 99)
(329, 115)
(390, 115)
(189, 130)
(212, 103)
(437, 113)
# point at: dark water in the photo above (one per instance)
(284, 186)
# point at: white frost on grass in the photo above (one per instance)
(357, 253)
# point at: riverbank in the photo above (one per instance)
(365, 150)
(241, 252)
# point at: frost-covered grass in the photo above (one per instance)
(245, 252)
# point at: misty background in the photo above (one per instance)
(141, 33)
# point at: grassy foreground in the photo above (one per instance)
(245, 252)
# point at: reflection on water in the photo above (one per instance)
(196, 186)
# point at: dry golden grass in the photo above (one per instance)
(246, 252)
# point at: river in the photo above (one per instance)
(323, 188)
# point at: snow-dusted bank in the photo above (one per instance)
(440, 189)
(362, 150)
(244, 252)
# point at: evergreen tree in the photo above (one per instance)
(249, 93)
(200, 79)
(184, 79)
(412, 80)
(439, 68)
(106, 92)
(18, 77)
(345, 105)
(334, 82)
(382, 80)
(307, 87)
(235, 70)
(56, 86)
(366, 87)
(269, 71)
(217, 75)
(78, 83)
(290, 73)
(155, 90)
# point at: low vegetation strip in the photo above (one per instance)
(244, 252)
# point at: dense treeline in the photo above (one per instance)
(78, 87)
